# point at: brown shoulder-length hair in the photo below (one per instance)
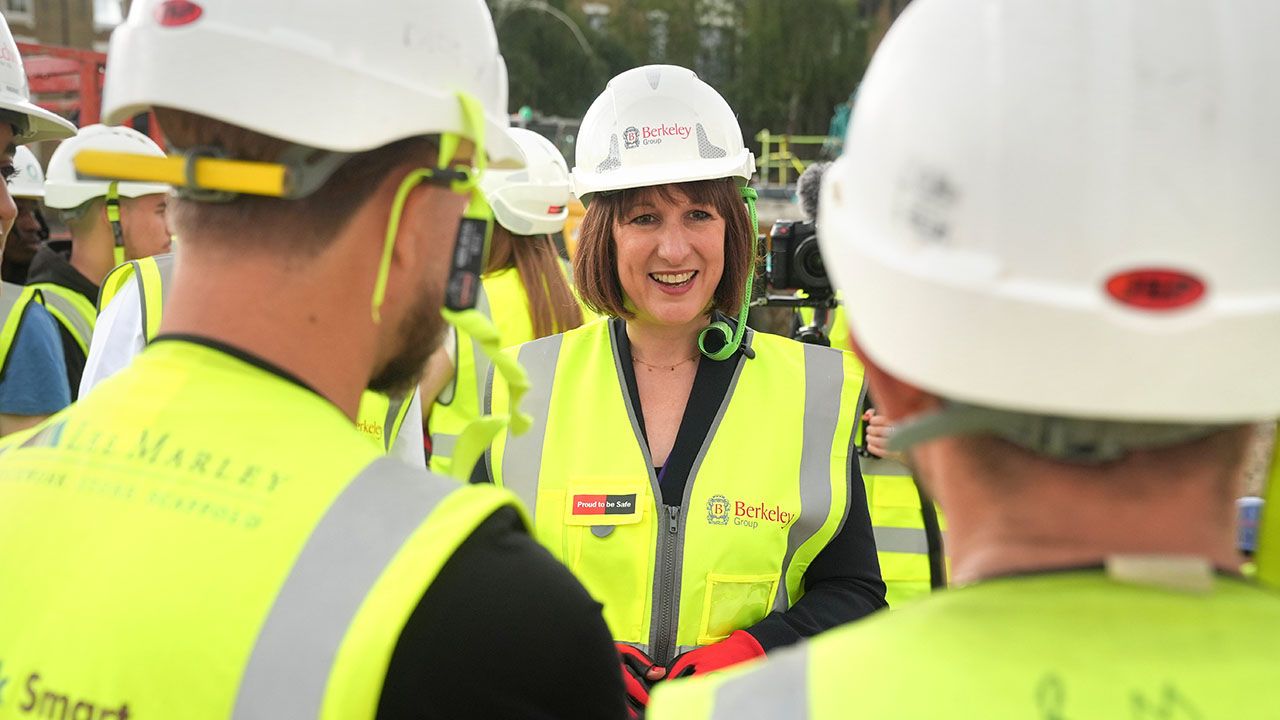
(595, 264)
(552, 306)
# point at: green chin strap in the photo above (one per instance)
(470, 251)
(731, 339)
(113, 216)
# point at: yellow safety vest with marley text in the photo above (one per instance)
(672, 578)
(154, 275)
(1062, 645)
(201, 538)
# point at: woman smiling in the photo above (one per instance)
(698, 477)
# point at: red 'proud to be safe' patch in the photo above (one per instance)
(604, 504)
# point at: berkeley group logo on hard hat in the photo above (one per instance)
(631, 137)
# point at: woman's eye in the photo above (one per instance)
(700, 215)
(8, 172)
(644, 219)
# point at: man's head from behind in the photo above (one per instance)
(316, 86)
(346, 216)
(1061, 235)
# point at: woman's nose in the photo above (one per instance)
(673, 246)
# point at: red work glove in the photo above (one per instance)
(738, 647)
(638, 674)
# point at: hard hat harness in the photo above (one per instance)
(113, 212)
(1075, 440)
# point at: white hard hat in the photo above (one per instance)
(655, 125)
(1056, 208)
(15, 96)
(333, 74)
(64, 189)
(535, 199)
(29, 180)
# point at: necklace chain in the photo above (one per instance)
(668, 368)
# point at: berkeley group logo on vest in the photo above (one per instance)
(722, 511)
(633, 137)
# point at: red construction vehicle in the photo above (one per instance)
(69, 82)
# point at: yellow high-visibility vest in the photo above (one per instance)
(377, 413)
(909, 531)
(672, 578)
(14, 300)
(201, 538)
(1061, 645)
(72, 310)
(504, 301)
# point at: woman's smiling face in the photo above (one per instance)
(670, 253)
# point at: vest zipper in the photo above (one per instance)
(664, 646)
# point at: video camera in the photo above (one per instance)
(794, 261)
(794, 274)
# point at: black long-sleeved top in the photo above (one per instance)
(504, 631)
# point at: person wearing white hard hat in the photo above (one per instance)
(33, 381)
(644, 472)
(30, 231)
(1099, 204)
(109, 222)
(524, 288)
(207, 534)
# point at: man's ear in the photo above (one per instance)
(894, 398)
(424, 208)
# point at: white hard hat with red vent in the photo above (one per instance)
(1054, 208)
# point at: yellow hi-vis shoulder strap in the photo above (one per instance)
(71, 310)
(13, 308)
(153, 275)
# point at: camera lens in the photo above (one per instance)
(809, 268)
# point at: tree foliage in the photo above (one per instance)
(782, 64)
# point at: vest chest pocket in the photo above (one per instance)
(609, 543)
(734, 602)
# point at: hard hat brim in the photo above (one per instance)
(42, 124)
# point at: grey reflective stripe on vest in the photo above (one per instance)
(442, 444)
(522, 456)
(881, 467)
(889, 538)
(351, 546)
(823, 369)
(777, 689)
(81, 327)
(164, 268)
(478, 360)
(389, 429)
(901, 540)
(9, 296)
